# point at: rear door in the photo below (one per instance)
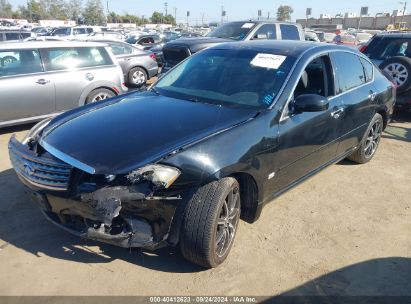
(73, 70)
(26, 91)
(355, 87)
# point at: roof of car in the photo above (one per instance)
(395, 34)
(292, 48)
(46, 44)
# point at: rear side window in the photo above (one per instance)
(120, 49)
(71, 58)
(386, 47)
(289, 32)
(19, 62)
(368, 69)
(267, 31)
(348, 70)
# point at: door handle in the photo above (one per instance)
(42, 81)
(337, 113)
(372, 95)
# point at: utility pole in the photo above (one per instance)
(202, 20)
(108, 9)
(175, 15)
(222, 15)
(403, 12)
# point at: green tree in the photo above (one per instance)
(74, 8)
(156, 17)
(93, 13)
(284, 13)
(6, 10)
(33, 11)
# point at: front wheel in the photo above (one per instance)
(370, 141)
(210, 223)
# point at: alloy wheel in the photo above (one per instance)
(398, 72)
(139, 78)
(227, 222)
(373, 139)
(100, 97)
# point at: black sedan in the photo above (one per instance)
(213, 141)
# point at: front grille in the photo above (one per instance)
(43, 171)
(173, 55)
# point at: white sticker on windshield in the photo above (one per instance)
(248, 25)
(269, 61)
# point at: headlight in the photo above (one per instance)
(160, 175)
(36, 130)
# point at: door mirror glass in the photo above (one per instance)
(310, 103)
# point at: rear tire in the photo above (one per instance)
(370, 141)
(399, 70)
(210, 223)
(137, 77)
(99, 95)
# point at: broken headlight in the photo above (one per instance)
(161, 176)
(36, 130)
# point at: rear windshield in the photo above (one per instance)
(383, 47)
(241, 78)
(233, 30)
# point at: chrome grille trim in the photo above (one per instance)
(42, 172)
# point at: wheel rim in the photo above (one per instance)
(398, 72)
(100, 97)
(227, 222)
(373, 139)
(139, 77)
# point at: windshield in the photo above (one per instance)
(241, 78)
(233, 30)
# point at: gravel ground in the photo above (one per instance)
(346, 231)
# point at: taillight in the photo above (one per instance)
(153, 56)
(363, 48)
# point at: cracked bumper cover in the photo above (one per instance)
(125, 219)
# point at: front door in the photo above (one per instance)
(26, 91)
(308, 140)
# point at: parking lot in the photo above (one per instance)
(346, 231)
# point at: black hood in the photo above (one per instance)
(124, 134)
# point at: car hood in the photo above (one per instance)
(127, 133)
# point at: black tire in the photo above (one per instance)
(399, 70)
(137, 77)
(205, 218)
(368, 146)
(99, 95)
(7, 59)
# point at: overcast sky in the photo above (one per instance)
(242, 9)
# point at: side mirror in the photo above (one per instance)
(310, 103)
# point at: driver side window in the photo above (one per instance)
(317, 78)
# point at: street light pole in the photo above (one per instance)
(403, 11)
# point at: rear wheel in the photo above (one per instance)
(137, 77)
(370, 141)
(99, 95)
(399, 70)
(210, 223)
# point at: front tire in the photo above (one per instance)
(210, 223)
(370, 141)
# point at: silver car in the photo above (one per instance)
(41, 79)
(138, 65)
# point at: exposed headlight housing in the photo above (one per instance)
(161, 176)
(35, 131)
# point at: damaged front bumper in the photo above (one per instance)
(125, 216)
